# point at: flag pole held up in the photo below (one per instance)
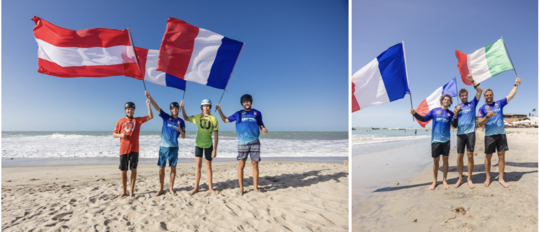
(230, 75)
(510, 57)
(136, 58)
(407, 71)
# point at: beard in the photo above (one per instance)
(129, 116)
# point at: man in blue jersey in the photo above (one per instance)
(173, 126)
(440, 135)
(491, 115)
(466, 134)
(248, 123)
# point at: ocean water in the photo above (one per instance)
(59, 144)
(365, 140)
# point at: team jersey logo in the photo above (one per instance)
(438, 112)
(448, 114)
(255, 113)
(487, 107)
(243, 112)
(496, 103)
(129, 126)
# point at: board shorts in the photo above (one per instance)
(466, 139)
(495, 142)
(207, 152)
(167, 153)
(438, 149)
(129, 160)
(253, 149)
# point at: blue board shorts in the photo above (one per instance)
(167, 153)
(253, 149)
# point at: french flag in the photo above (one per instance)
(434, 100)
(382, 80)
(95, 52)
(198, 55)
(148, 60)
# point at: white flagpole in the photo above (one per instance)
(407, 72)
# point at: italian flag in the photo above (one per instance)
(484, 63)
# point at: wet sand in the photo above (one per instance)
(295, 196)
(411, 206)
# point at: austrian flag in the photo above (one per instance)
(95, 52)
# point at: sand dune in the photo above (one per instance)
(305, 197)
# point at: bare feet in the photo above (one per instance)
(486, 184)
(240, 193)
(193, 192)
(471, 185)
(131, 194)
(459, 182)
(446, 186)
(122, 195)
(172, 191)
(214, 192)
(504, 184)
(433, 186)
(159, 192)
(256, 190)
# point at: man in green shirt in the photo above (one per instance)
(206, 124)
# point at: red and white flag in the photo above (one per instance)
(94, 52)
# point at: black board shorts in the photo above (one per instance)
(438, 149)
(468, 140)
(129, 160)
(496, 142)
(207, 152)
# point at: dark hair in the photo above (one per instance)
(463, 90)
(446, 95)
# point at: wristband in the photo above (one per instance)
(475, 86)
(516, 84)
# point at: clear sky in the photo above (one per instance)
(432, 31)
(294, 63)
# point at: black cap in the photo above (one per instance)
(246, 97)
(129, 105)
(175, 104)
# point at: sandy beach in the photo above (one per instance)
(295, 196)
(411, 206)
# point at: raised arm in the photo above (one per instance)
(513, 91)
(147, 94)
(150, 115)
(417, 116)
(184, 115)
(478, 88)
(225, 119)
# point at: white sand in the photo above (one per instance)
(495, 208)
(306, 197)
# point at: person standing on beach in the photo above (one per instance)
(248, 125)
(127, 129)
(466, 133)
(206, 124)
(440, 135)
(491, 115)
(173, 126)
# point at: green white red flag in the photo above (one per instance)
(484, 63)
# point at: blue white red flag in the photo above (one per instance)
(434, 100)
(382, 80)
(148, 60)
(198, 55)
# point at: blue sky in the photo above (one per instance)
(294, 63)
(432, 31)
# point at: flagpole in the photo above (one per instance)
(136, 58)
(407, 72)
(510, 57)
(231, 74)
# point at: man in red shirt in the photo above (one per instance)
(127, 129)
